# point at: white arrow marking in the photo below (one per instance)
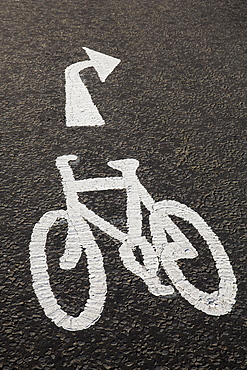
(80, 109)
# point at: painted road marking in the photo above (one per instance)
(80, 238)
(80, 109)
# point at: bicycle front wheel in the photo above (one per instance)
(41, 280)
(217, 303)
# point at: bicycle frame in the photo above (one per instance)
(136, 194)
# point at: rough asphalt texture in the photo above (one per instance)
(177, 104)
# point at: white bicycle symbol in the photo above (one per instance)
(80, 237)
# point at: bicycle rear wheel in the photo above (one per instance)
(40, 276)
(217, 303)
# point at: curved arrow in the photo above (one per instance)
(80, 109)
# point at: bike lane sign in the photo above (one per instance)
(81, 111)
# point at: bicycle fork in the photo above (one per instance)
(135, 194)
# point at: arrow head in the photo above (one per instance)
(102, 63)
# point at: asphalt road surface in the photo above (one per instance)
(176, 103)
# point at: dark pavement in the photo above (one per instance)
(177, 103)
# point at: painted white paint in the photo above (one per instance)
(80, 109)
(80, 238)
(219, 302)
